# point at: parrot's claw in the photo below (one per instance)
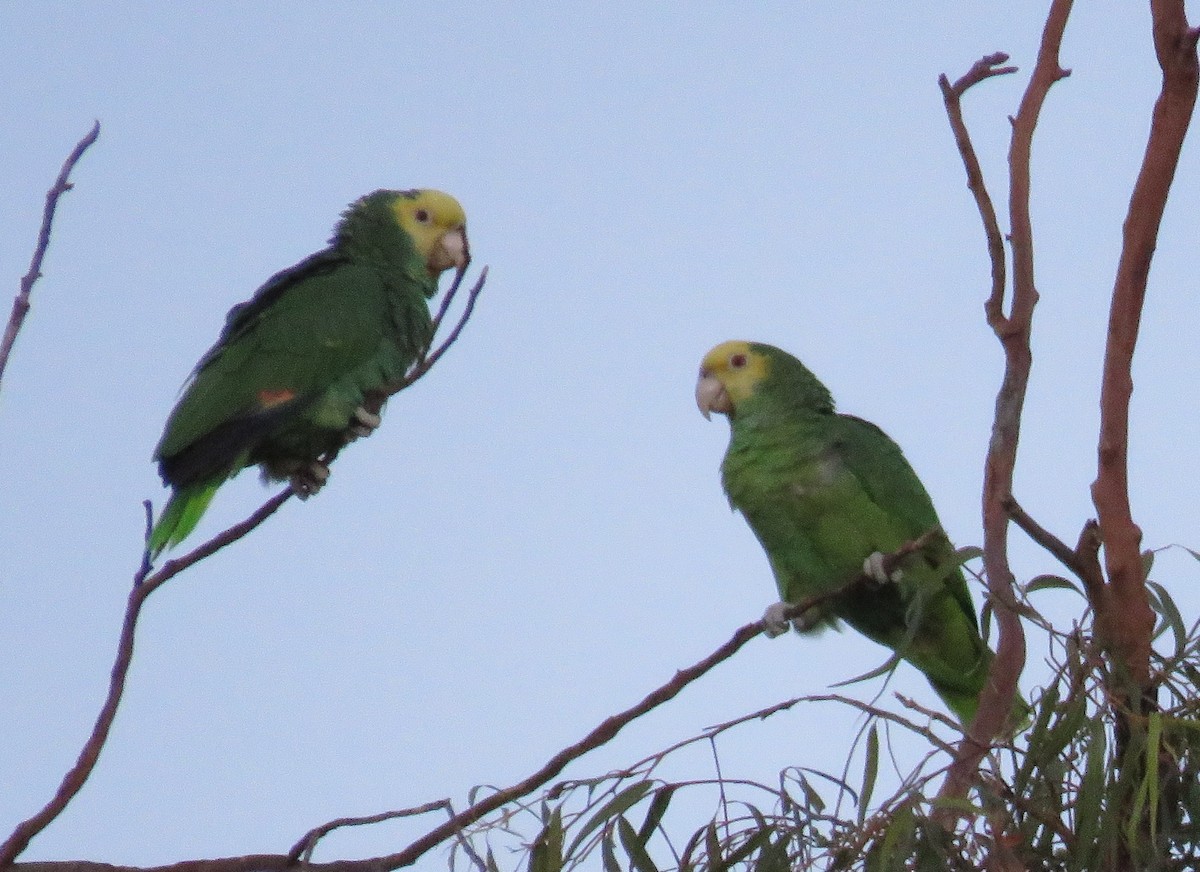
(874, 569)
(309, 479)
(774, 620)
(363, 423)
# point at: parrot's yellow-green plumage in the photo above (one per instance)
(286, 380)
(824, 492)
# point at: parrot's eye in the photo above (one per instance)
(737, 361)
(422, 215)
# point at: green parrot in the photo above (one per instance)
(287, 378)
(827, 495)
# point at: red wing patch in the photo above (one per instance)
(270, 399)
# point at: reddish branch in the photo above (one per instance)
(609, 728)
(268, 862)
(302, 851)
(1082, 560)
(375, 402)
(143, 586)
(603, 733)
(21, 302)
(1123, 613)
(1013, 330)
(984, 68)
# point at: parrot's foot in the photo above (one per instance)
(307, 480)
(363, 423)
(775, 621)
(874, 569)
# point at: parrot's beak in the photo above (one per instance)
(711, 395)
(451, 251)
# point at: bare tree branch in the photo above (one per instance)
(1124, 615)
(226, 537)
(602, 734)
(21, 304)
(1081, 560)
(1013, 331)
(302, 851)
(984, 68)
(143, 586)
(426, 361)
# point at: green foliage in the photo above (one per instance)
(1072, 792)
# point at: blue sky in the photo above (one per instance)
(536, 536)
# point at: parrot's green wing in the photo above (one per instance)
(283, 381)
(286, 381)
(823, 492)
(302, 353)
(889, 482)
(927, 615)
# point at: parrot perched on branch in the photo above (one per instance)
(285, 382)
(828, 495)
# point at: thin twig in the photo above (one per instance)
(1075, 559)
(375, 399)
(984, 68)
(226, 537)
(448, 298)
(891, 562)
(426, 363)
(21, 304)
(602, 734)
(302, 851)
(893, 717)
(612, 725)
(143, 586)
(932, 714)
(1039, 534)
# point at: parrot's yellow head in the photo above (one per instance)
(729, 374)
(437, 225)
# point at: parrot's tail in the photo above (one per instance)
(180, 516)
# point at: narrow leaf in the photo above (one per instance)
(1153, 741)
(608, 853)
(812, 798)
(985, 620)
(546, 855)
(870, 771)
(1090, 798)
(760, 840)
(883, 669)
(618, 805)
(654, 815)
(712, 845)
(1051, 582)
(1171, 616)
(635, 849)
